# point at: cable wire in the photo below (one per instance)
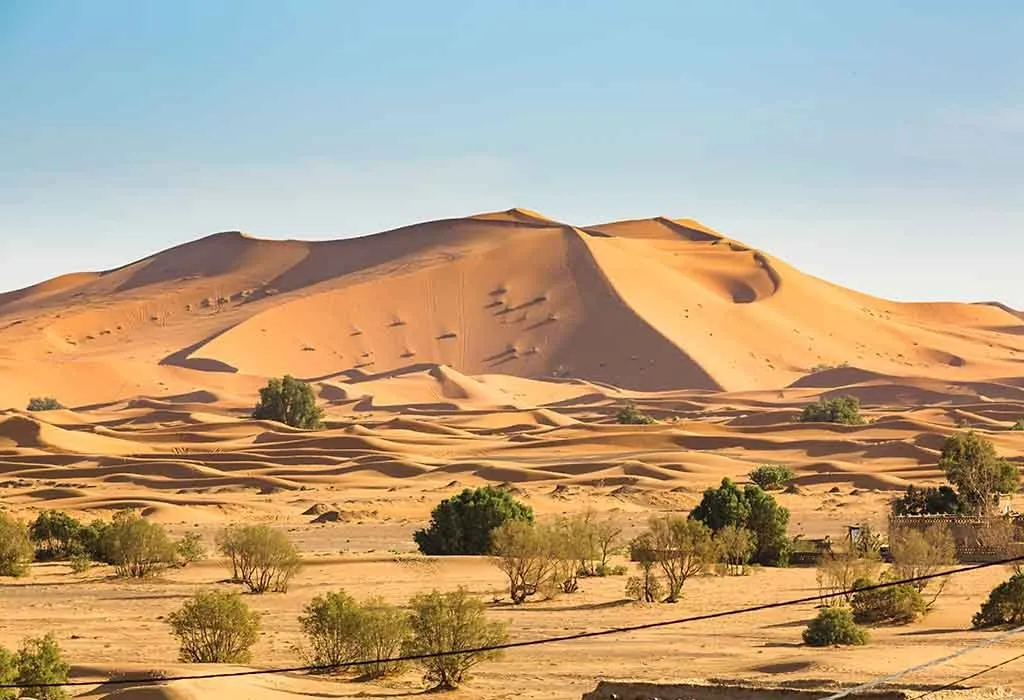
(525, 643)
(971, 676)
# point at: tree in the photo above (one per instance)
(771, 476)
(190, 549)
(922, 552)
(839, 572)
(841, 409)
(834, 626)
(1005, 604)
(290, 401)
(979, 475)
(726, 505)
(215, 627)
(382, 635)
(15, 547)
(137, 547)
(647, 587)
(734, 545)
(607, 535)
(931, 500)
(331, 624)
(751, 508)
(463, 524)
(451, 622)
(262, 558)
(683, 548)
(56, 535)
(522, 550)
(631, 415)
(45, 403)
(37, 664)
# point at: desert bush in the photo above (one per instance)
(190, 549)
(15, 546)
(522, 551)
(1018, 425)
(55, 535)
(80, 563)
(841, 409)
(290, 401)
(339, 631)
(682, 548)
(931, 500)
(971, 465)
(463, 524)
(734, 545)
(839, 570)
(451, 622)
(137, 547)
(1005, 604)
(647, 587)
(383, 634)
(868, 542)
(262, 558)
(44, 403)
(752, 508)
(771, 476)
(215, 627)
(923, 552)
(608, 539)
(38, 662)
(93, 541)
(834, 626)
(631, 415)
(897, 605)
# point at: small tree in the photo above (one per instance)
(382, 635)
(771, 476)
(55, 535)
(44, 403)
(289, 401)
(834, 626)
(645, 588)
(734, 546)
(451, 622)
(608, 538)
(262, 558)
(631, 415)
(841, 409)
(215, 627)
(1005, 604)
(979, 475)
(522, 551)
(838, 571)
(463, 524)
(931, 500)
(190, 549)
(331, 624)
(768, 521)
(137, 547)
(683, 548)
(37, 664)
(923, 552)
(15, 547)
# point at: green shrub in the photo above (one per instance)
(137, 547)
(1005, 604)
(971, 465)
(289, 401)
(55, 535)
(834, 626)
(898, 605)
(931, 500)
(771, 476)
(841, 409)
(215, 627)
(451, 622)
(1019, 425)
(262, 558)
(45, 403)
(754, 509)
(463, 524)
(38, 662)
(15, 547)
(631, 415)
(190, 549)
(80, 563)
(734, 545)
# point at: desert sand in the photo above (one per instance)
(495, 348)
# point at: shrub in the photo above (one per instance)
(608, 538)
(93, 541)
(137, 547)
(841, 409)
(522, 550)
(289, 401)
(1018, 425)
(631, 415)
(15, 547)
(80, 563)
(979, 475)
(215, 627)
(451, 622)
(645, 588)
(190, 549)
(898, 605)
(262, 558)
(463, 524)
(1005, 604)
(44, 403)
(734, 546)
(340, 631)
(923, 552)
(754, 509)
(771, 476)
(684, 547)
(834, 626)
(838, 573)
(55, 535)
(931, 500)
(37, 663)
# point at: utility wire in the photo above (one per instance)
(972, 676)
(516, 645)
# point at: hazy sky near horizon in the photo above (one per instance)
(878, 145)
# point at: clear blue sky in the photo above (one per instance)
(877, 144)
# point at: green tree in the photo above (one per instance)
(289, 401)
(523, 552)
(1005, 604)
(464, 523)
(56, 535)
(979, 475)
(931, 500)
(215, 627)
(39, 663)
(841, 409)
(683, 547)
(15, 547)
(446, 623)
(726, 505)
(647, 587)
(751, 508)
(137, 547)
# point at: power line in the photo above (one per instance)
(526, 643)
(972, 676)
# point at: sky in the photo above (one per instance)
(878, 145)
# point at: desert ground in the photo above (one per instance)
(491, 349)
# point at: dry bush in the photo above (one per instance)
(838, 571)
(923, 552)
(522, 550)
(734, 546)
(215, 627)
(16, 549)
(684, 548)
(647, 587)
(262, 558)
(37, 662)
(137, 547)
